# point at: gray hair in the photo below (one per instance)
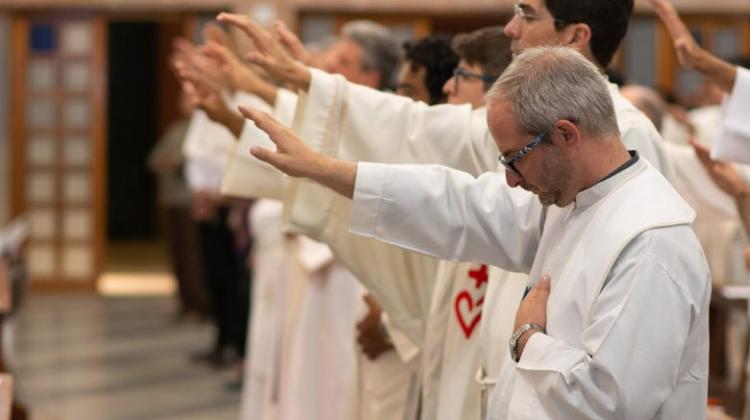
(548, 84)
(381, 51)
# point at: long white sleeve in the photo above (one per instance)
(480, 219)
(354, 122)
(654, 304)
(732, 140)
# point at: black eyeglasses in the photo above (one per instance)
(460, 72)
(509, 164)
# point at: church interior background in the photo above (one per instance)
(85, 92)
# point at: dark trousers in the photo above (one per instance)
(187, 264)
(224, 279)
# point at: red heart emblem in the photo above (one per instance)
(464, 313)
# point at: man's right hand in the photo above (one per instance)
(688, 51)
(724, 174)
(270, 54)
(295, 158)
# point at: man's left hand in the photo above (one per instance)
(370, 331)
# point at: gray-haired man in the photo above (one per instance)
(618, 325)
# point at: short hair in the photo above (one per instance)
(548, 84)
(435, 55)
(608, 20)
(380, 50)
(488, 48)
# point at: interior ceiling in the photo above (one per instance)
(437, 6)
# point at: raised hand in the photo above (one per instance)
(724, 174)
(295, 158)
(689, 53)
(292, 43)
(270, 54)
(292, 156)
(239, 75)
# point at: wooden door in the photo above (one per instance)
(58, 143)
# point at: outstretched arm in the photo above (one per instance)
(295, 158)
(690, 54)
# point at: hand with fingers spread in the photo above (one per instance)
(533, 310)
(292, 43)
(239, 75)
(689, 53)
(207, 93)
(295, 158)
(371, 334)
(270, 54)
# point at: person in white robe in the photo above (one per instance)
(379, 387)
(615, 324)
(732, 141)
(717, 223)
(305, 313)
(352, 122)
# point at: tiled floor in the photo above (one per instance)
(81, 357)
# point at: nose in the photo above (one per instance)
(512, 179)
(512, 27)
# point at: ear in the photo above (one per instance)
(579, 36)
(567, 134)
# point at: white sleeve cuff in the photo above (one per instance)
(545, 353)
(368, 193)
(317, 110)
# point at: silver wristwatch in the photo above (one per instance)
(517, 334)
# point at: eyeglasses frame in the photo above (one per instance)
(462, 72)
(510, 163)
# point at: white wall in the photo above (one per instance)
(4, 120)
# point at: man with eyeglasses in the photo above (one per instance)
(616, 323)
(484, 54)
(354, 123)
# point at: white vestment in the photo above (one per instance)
(320, 374)
(265, 335)
(204, 163)
(732, 140)
(356, 123)
(246, 176)
(320, 358)
(627, 316)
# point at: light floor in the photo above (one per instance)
(120, 356)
